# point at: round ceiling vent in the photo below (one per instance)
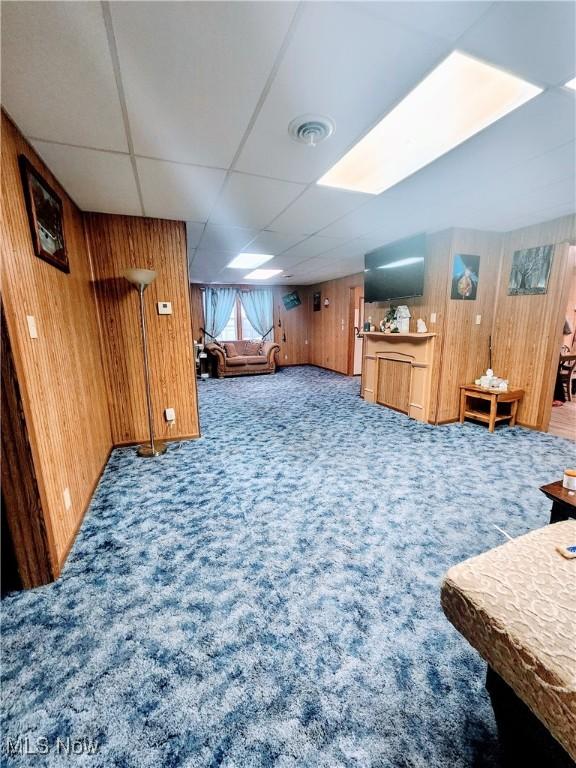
(311, 129)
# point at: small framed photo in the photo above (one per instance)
(316, 301)
(291, 300)
(465, 272)
(45, 217)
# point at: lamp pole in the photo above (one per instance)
(141, 279)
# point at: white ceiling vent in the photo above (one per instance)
(311, 129)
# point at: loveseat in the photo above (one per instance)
(239, 358)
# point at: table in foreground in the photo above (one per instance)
(563, 501)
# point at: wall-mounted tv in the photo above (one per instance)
(395, 271)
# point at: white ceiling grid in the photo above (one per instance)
(180, 110)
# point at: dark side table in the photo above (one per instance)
(563, 501)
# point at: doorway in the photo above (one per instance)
(563, 415)
(356, 324)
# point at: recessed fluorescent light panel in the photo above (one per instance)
(262, 274)
(250, 260)
(459, 98)
(571, 84)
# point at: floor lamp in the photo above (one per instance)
(141, 279)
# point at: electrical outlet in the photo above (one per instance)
(432, 317)
(285, 357)
(32, 330)
(170, 414)
(164, 307)
(478, 319)
(67, 498)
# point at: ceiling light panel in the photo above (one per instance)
(571, 84)
(459, 98)
(250, 260)
(262, 274)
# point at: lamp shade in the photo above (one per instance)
(139, 276)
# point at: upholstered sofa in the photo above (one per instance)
(239, 358)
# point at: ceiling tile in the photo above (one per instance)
(272, 242)
(194, 232)
(350, 250)
(193, 73)
(206, 265)
(253, 201)
(96, 181)
(57, 78)
(448, 20)
(177, 191)
(310, 247)
(533, 39)
(316, 208)
(343, 65)
(229, 239)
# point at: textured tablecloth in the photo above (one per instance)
(516, 605)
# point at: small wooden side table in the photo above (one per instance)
(494, 397)
(563, 501)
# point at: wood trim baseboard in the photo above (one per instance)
(129, 443)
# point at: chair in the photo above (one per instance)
(566, 372)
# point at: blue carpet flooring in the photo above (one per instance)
(269, 595)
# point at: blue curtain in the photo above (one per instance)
(218, 306)
(259, 308)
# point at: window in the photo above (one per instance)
(230, 332)
(247, 330)
(238, 325)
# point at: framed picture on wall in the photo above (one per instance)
(316, 301)
(465, 272)
(45, 216)
(291, 300)
(530, 271)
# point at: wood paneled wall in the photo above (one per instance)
(527, 332)
(118, 242)
(465, 344)
(331, 327)
(290, 326)
(60, 373)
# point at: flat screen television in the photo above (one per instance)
(395, 271)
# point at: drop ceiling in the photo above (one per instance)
(180, 110)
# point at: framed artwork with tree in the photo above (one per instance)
(530, 271)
